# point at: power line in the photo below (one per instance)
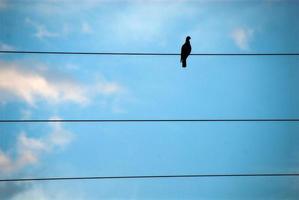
(145, 53)
(142, 120)
(152, 177)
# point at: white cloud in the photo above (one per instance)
(241, 37)
(139, 22)
(41, 30)
(8, 190)
(29, 149)
(64, 7)
(107, 88)
(59, 136)
(273, 1)
(86, 28)
(30, 86)
(26, 114)
(44, 193)
(71, 66)
(33, 86)
(35, 193)
(3, 4)
(5, 162)
(6, 47)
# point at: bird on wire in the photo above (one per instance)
(185, 51)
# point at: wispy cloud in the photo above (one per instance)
(147, 23)
(86, 28)
(32, 86)
(3, 4)
(38, 192)
(9, 190)
(241, 37)
(30, 190)
(139, 20)
(30, 149)
(40, 30)
(50, 7)
(273, 1)
(26, 114)
(6, 47)
(44, 192)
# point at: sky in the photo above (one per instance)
(149, 87)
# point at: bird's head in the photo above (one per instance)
(188, 38)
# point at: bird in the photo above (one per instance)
(185, 51)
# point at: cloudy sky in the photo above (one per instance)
(121, 87)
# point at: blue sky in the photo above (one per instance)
(116, 87)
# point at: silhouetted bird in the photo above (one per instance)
(185, 51)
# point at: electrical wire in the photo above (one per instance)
(145, 53)
(144, 120)
(152, 177)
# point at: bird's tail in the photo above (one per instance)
(184, 63)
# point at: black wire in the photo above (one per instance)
(151, 177)
(142, 120)
(150, 120)
(147, 54)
